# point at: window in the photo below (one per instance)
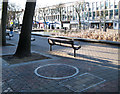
(93, 14)
(93, 6)
(65, 17)
(119, 25)
(106, 4)
(97, 5)
(58, 17)
(116, 11)
(116, 4)
(101, 13)
(115, 24)
(111, 3)
(73, 17)
(97, 13)
(111, 12)
(93, 17)
(62, 17)
(106, 13)
(90, 6)
(89, 9)
(102, 5)
(76, 16)
(85, 14)
(89, 14)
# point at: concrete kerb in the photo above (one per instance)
(83, 39)
(43, 35)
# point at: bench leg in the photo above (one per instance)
(50, 47)
(74, 53)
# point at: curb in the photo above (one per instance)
(43, 35)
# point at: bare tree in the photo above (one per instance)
(18, 14)
(102, 17)
(79, 8)
(59, 9)
(14, 13)
(24, 44)
(43, 13)
(3, 22)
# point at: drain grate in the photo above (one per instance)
(82, 82)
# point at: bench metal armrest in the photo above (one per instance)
(76, 46)
(50, 41)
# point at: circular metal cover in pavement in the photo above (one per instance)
(56, 71)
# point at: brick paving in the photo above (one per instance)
(95, 59)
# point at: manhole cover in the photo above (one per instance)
(56, 71)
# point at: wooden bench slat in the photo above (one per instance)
(63, 42)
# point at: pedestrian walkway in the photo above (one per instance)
(95, 69)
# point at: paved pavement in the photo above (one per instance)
(96, 68)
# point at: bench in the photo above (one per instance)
(63, 42)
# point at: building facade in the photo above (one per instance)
(81, 14)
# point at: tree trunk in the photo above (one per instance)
(100, 25)
(61, 19)
(104, 28)
(18, 23)
(24, 45)
(45, 23)
(79, 23)
(3, 22)
(61, 25)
